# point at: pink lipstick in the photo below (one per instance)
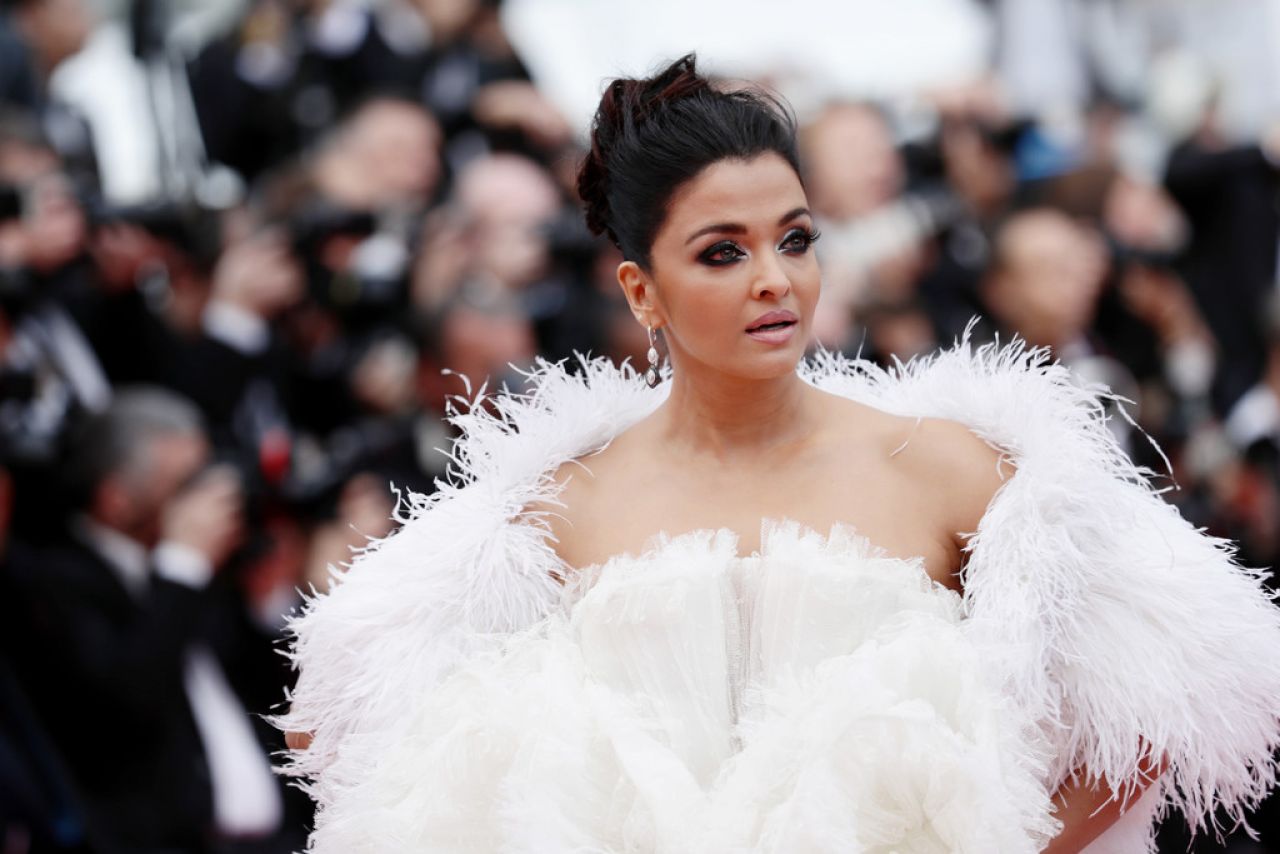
(774, 327)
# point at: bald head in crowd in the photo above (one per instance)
(1046, 277)
(852, 163)
(386, 153)
(509, 202)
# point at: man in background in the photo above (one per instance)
(123, 637)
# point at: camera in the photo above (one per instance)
(192, 228)
(371, 281)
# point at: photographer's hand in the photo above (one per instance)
(446, 255)
(259, 275)
(518, 104)
(207, 518)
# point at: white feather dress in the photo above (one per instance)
(815, 696)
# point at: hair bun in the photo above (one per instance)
(625, 104)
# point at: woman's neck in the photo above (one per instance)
(726, 417)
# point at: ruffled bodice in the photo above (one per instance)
(815, 696)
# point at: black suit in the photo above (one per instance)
(38, 799)
(104, 669)
(104, 672)
(1230, 198)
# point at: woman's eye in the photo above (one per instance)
(798, 240)
(721, 253)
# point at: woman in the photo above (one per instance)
(768, 609)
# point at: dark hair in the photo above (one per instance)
(651, 135)
(118, 438)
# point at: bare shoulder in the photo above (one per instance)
(586, 500)
(954, 464)
(947, 468)
(565, 514)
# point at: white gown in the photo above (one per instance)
(813, 697)
(816, 696)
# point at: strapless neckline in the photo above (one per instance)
(777, 534)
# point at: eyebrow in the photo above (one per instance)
(738, 228)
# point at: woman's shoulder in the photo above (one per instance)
(962, 470)
(587, 496)
(935, 445)
(564, 515)
(941, 461)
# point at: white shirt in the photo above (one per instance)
(1254, 416)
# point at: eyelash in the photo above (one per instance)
(806, 236)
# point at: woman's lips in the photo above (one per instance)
(774, 334)
(776, 327)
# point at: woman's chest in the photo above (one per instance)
(886, 510)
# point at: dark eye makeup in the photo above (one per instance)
(721, 253)
(796, 242)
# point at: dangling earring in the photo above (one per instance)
(651, 377)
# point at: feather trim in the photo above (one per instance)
(1110, 620)
(464, 570)
(1124, 631)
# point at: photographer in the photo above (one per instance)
(124, 637)
(49, 371)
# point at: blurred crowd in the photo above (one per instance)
(367, 210)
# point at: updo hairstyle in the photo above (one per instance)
(651, 135)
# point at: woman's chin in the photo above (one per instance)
(751, 363)
(769, 366)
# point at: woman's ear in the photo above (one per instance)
(638, 288)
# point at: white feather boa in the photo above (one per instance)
(1116, 625)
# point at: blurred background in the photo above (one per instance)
(250, 248)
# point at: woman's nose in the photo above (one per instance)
(771, 279)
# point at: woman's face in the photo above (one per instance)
(733, 277)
